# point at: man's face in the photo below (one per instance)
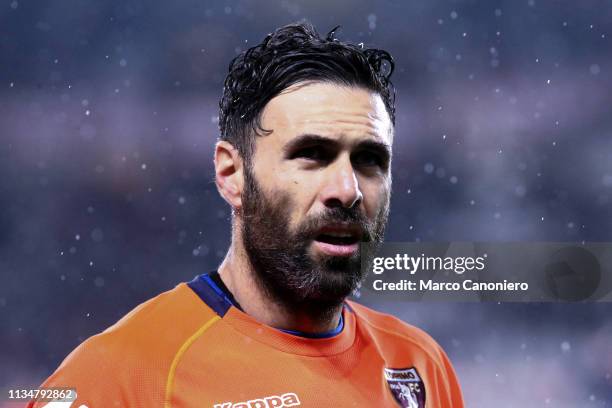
(317, 186)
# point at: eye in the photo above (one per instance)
(315, 153)
(368, 159)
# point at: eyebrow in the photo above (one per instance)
(306, 140)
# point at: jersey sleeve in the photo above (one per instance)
(93, 372)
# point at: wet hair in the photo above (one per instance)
(291, 54)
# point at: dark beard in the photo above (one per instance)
(280, 258)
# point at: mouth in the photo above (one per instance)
(338, 240)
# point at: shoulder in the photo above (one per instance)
(402, 345)
(154, 328)
(389, 332)
(161, 321)
(133, 357)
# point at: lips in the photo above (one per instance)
(338, 240)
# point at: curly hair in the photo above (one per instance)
(291, 54)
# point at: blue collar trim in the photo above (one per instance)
(220, 301)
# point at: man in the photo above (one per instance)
(304, 162)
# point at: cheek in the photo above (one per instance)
(297, 195)
(301, 198)
(304, 193)
(376, 197)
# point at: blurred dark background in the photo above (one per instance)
(108, 116)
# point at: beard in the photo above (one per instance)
(283, 266)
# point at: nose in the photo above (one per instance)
(341, 187)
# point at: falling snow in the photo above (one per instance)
(502, 133)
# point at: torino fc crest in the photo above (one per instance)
(406, 386)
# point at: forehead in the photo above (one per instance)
(329, 110)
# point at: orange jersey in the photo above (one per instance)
(192, 347)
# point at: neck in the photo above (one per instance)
(239, 276)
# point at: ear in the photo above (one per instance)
(229, 175)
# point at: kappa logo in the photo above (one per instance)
(289, 399)
(406, 386)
